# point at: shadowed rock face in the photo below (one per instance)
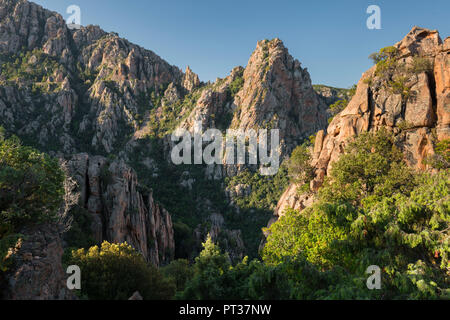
(37, 273)
(120, 213)
(91, 91)
(275, 93)
(418, 121)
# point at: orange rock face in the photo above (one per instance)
(442, 78)
(418, 120)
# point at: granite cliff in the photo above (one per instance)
(417, 113)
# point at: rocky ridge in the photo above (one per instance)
(37, 273)
(119, 210)
(418, 119)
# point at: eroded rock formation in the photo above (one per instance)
(120, 211)
(418, 119)
(37, 273)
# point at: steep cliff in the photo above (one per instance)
(80, 90)
(412, 100)
(272, 92)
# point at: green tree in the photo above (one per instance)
(373, 210)
(299, 166)
(116, 271)
(179, 271)
(209, 268)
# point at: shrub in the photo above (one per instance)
(236, 86)
(352, 91)
(368, 81)
(377, 212)
(299, 165)
(209, 268)
(31, 190)
(31, 185)
(116, 271)
(398, 86)
(338, 106)
(441, 159)
(179, 271)
(386, 62)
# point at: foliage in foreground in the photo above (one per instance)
(374, 211)
(31, 190)
(116, 271)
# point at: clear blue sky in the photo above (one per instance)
(330, 38)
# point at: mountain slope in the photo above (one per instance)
(412, 100)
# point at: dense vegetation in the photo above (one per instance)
(31, 190)
(373, 210)
(116, 271)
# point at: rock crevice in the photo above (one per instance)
(119, 211)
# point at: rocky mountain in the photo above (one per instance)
(106, 108)
(37, 273)
(273, 91)
(411, 100)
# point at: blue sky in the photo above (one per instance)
(330, 38)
